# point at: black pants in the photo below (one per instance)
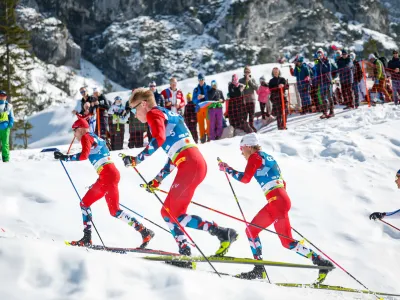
(278, 110)
(136, 139)
(347, 91)
(193, 130)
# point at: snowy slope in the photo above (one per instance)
(338, 171)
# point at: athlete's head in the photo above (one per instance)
(80, 128)
(141, 102)
(249, 145)
(397, 181)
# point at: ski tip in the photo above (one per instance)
(67, 243)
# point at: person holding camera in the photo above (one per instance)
(250, 87)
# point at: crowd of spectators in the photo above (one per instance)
(321, 84)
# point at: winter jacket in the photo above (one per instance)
(392, 65)
(234, 91)
(379, 70)
(301, 73)
(263, 93)
(275, 82)
(322, 71)
(6, 115)
(249, 89)
(200, 90)
(168, 95)
(90, 99)
(159, 99)
(215, 95)
(345, 70)
(116, 109)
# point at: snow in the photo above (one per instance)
(384, 39)
(337, 171)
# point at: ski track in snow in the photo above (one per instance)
(338, 171)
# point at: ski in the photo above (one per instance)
(334, 288)
(235, 260)
(127, 250)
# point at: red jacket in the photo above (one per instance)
(180, 99)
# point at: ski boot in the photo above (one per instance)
(257, 273)
(184, 249)
(86, 241)
(147, 235)
(319, 261)
(226, 236)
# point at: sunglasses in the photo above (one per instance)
(247, 72)
(133, 110)
(152, 86)
(83, 92)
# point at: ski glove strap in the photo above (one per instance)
(152, 186)
(129, 161)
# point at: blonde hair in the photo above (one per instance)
(257, 147)
(142, 94)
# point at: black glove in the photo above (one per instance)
(377, 215)
(152, 185)
(60, 156)
(129, 161)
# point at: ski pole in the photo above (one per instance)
(175, 220)
(70, 145)
(241, 211)
(144, 218)
(389, 224)
(229, 216)
(335, 263)
(94, 226)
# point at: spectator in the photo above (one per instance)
(6, 123)
(117, 122)
(159, 98)
(323, 80)
(215, 111)
(174, 99)
(278, 85)
(302, 74)
(379, 76)
(358, 76)
(136, 129)
(85, 98)
(89, 115)
(394, 71)
(191, 117)
(345, 70)
(200, 94)
(263, 98)
(103, 105)
(250, 86)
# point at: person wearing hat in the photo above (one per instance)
(101, 105)
(302, 73)
(95, 150)
(191, 117)
(380, 77)
(117, 122)
(200, 94)
(6, 123)
(263, 93)
(394, 214)
(250, 88)
(323, 79)
(394, 71)
(215, 112)
(345, 69)
(172, 136)
(264, 168)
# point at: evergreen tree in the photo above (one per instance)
(14, 56)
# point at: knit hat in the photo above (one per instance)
(371, 56)
(235, 80)
(300, 59)
(153, 83)
(213, 82)
(262, 78)
(3, 93)
(353, 55)
(118, 98)
(250, 139)
(344, 51)
(189, 96)
(80, 123)
(320, 50)
(201, 76)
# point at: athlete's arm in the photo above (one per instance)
(86, 142)
(254, 162)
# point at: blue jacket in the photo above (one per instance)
(322, 71)
(301, 73)
(8, 120)
(197, 91)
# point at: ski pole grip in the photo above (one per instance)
(219, 160)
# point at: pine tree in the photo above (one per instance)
(14, 55)
(23, 127)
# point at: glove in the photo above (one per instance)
(152, 185)
(377, 215)
(376, 81)
(59, 155)
(129, 161)
(223, 166)
(307, 78)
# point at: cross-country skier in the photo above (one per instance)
(171, 134)
(95, 149)
(396, 213)
(265, 170)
